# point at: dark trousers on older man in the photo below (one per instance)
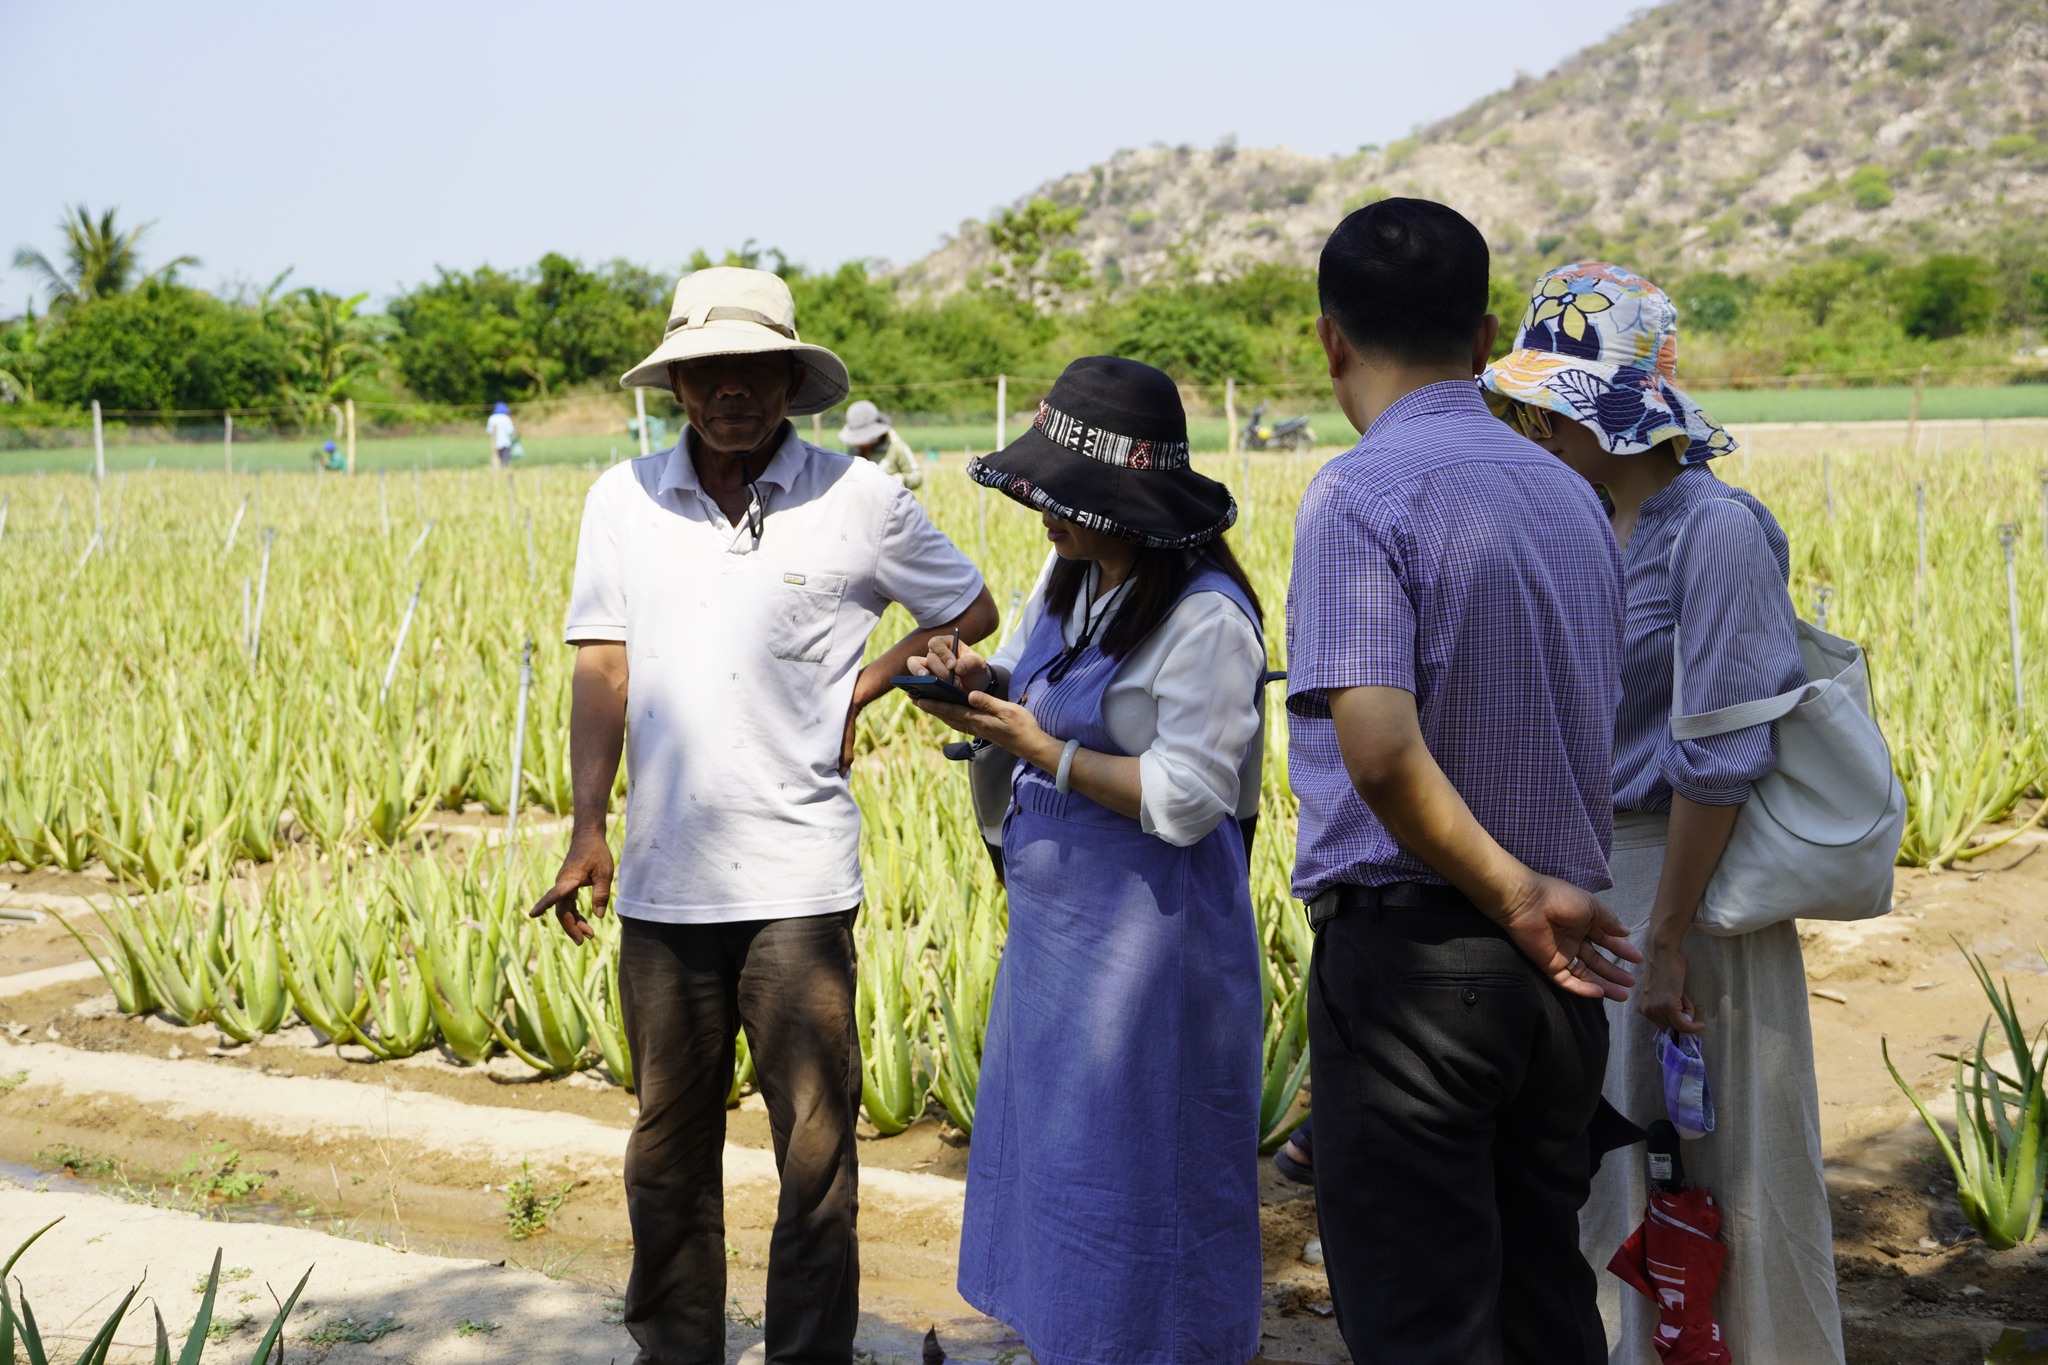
(1454, 1085)
(685, 991)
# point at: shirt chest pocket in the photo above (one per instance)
(802, 609)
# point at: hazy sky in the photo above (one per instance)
(365, 144)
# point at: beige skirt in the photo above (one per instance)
(1762, 1162)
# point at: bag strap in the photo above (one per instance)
(1742, 715)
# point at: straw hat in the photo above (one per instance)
(727, 310)
(864, 423)
(1108, 450)
(1599, 345)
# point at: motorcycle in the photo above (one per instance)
(1293, 434)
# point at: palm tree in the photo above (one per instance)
(332, 345)
(99, 259)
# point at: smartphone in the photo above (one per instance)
(929, 689)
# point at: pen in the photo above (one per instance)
(956, 654)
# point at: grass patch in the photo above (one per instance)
(344, 1329)
(528, 1211)
(217, 1174)
(470, 1327)
(227, 1276)
(220, 1329)
(75, 1160)
(9, 1084)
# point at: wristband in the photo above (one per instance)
(1066, 768)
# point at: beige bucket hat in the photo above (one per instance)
(729, 310)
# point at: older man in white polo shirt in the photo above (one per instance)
(724, 594)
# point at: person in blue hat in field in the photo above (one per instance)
(328, 456)
(503, 435)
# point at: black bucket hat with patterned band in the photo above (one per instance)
(1108, 451)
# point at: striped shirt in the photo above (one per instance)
(1739, 635)
(1448, 556)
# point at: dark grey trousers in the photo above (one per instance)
(686, 989)
(1454, 1085)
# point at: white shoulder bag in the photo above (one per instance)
(1818, 837)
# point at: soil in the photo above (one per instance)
(391, 1178)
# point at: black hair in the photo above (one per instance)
(1153, 587)
(1406, 279)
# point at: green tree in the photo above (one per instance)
(332, 345)
(461, 339)
(160, 348)
(100, 260)
(1032, 261)
(591, 324)
(1193, 344)
(1946, 296)
(1713, 302)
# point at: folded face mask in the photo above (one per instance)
(1686, 1097)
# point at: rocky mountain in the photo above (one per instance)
(1706, 134)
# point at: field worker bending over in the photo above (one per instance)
(867, 433)
(502, 434)
(724, 592)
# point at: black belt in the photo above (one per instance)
(1345, 897)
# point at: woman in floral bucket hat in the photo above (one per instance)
(1593, 380)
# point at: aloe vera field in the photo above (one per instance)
(283, 712)
(279, 763)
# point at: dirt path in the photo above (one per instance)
(418, 1155)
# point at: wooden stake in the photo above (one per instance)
(227, 442)
(99, 444)
(8, 502)
(349, 416)
(1002, 406)
(640, 412)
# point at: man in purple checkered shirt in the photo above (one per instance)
(1453, 639)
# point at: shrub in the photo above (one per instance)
(1713, 302)
(2014, 144)
(1870, 187)
(1945, 296)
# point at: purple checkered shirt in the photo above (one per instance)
(1448, 556)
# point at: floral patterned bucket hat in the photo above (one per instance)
(1599, 345)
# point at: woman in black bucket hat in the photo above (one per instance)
(1128, 998)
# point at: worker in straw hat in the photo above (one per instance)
(727, 587)
(867, 433)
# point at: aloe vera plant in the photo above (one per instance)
(20, 1328)
(249, 996)
(889, 1016)
(548, 1032)
(2000, 1152)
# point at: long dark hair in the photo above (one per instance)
(1153, 587)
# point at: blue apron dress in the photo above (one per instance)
(1112, 1210)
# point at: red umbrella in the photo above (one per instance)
(1675, 1259)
